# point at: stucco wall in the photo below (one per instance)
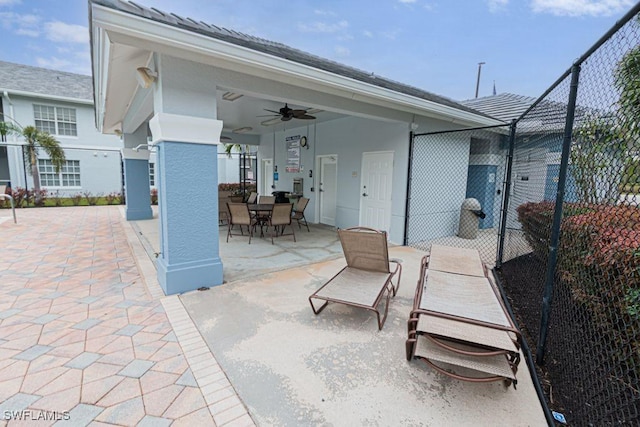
(346, 138)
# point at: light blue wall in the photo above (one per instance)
(136, 175)
(188, 217)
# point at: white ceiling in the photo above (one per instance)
(247, 111)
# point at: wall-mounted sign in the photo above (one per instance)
(293, 153)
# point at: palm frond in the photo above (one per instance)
(52, 147)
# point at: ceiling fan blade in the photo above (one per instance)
(272, 111)
(269, 115)
(225, 138)
(305, 117)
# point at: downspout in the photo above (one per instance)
(5, 94)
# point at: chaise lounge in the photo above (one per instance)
(367, 278)
(459, 325)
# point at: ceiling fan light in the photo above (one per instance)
(231, 96)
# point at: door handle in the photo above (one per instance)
(365, 194)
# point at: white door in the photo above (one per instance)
(375, 190)
(267, 177)
(328, 189)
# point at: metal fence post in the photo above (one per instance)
(507, 193)
(407, 203)
(557, 217)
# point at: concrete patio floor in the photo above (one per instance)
(242, 260)
(85, 328)
(291, 367)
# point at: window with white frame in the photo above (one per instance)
(69, 175)
(55, 120)
(152, 174)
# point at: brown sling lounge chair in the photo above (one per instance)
(459, 325)
(367, 278)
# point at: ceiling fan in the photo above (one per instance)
(285, 114)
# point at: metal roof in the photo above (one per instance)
(275, 49)
(25, 78)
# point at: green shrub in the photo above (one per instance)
(599, 258)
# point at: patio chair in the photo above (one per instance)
(279, 219)
(298, 212)
(267, 200)
(367, 278)
(239, 215)
(252, 197)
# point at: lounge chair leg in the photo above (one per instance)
(410, 348)
(386, 311)
(316, 312)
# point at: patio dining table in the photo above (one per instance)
(262, 212)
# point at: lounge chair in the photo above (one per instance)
(239, 215)
(459, 325)
(298, 211)
(367, 278)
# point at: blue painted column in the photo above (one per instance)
(187, 182)
(136, 184)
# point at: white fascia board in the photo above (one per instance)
(155, 32)
(45, 96)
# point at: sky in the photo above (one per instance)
(435, 45)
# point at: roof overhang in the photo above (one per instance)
(45, 96)
(123, 41)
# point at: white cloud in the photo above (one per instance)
(367, 33)
(323, 27)
(8, 2)
(581, 7)
(21, 24)
(390, 34)
(66, 33)
(497, 5)
(324, 12)
(342, 51)
(27, 32)
(407, 1)
(76, 62)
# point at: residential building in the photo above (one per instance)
(62, 104)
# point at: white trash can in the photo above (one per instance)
(470, 215)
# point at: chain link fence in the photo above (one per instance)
(574, 198)
(560, 193)
(463, 173)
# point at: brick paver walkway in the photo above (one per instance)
(79, 331)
